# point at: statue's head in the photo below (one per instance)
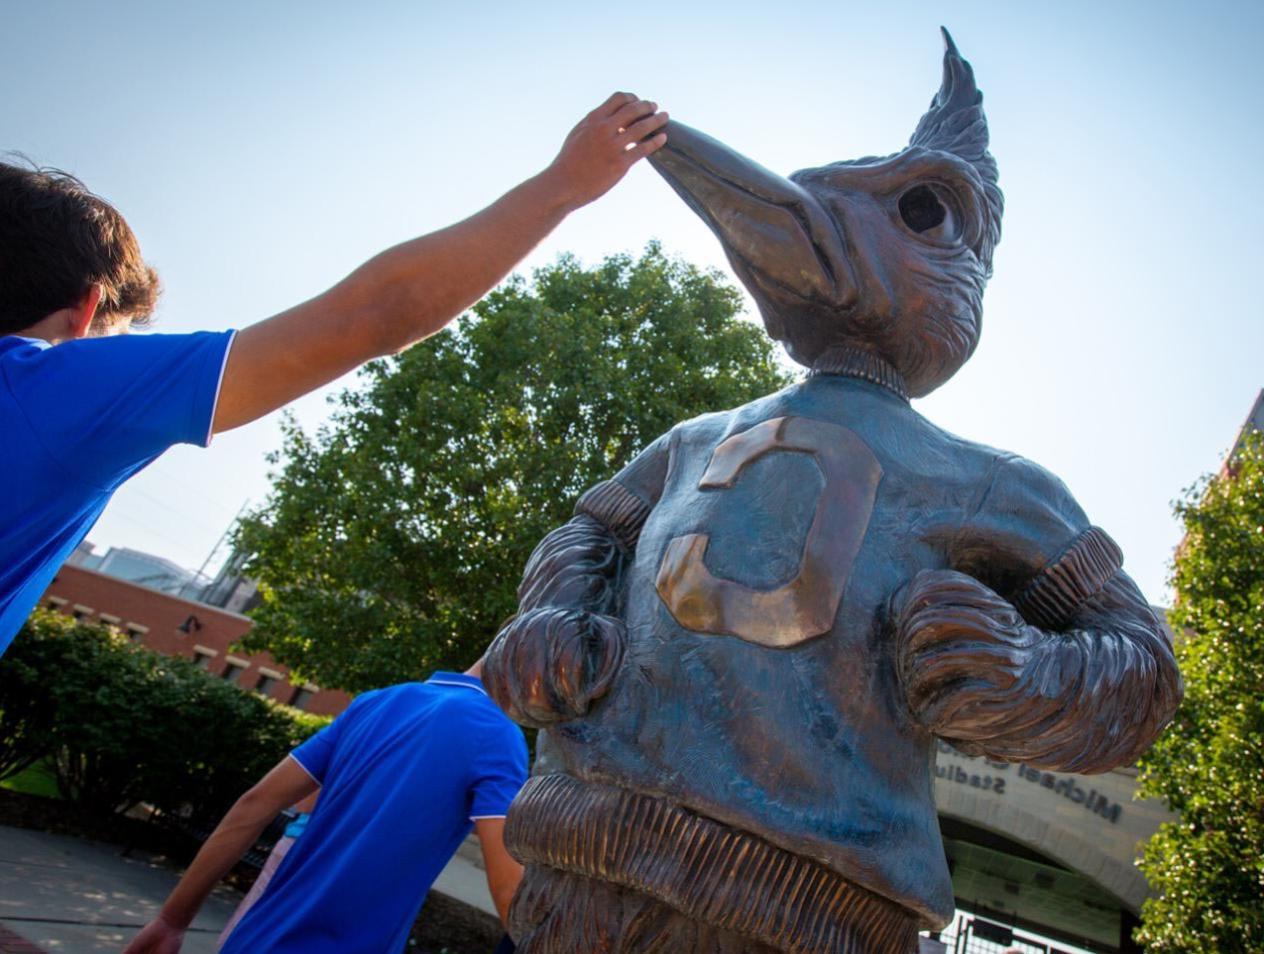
(888, 255)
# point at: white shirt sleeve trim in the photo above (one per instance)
(481, 817)
(306, 770)
(219, 383)
(450, 682)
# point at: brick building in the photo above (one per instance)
(1254, 422)
(179, 627)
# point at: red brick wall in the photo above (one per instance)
(157, 617)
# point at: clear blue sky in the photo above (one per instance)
(262, 150)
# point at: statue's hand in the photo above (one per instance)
(548, 665)
(962, 652)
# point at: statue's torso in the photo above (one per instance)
(803, 739)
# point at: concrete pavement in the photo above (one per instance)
(67, 894)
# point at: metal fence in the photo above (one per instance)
(973, 935)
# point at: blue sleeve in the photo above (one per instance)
(317, 753)
(108, 406)
(500, 769)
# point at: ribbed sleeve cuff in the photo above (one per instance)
(1079, 573)
(617, 509)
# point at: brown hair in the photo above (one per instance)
(57, 239)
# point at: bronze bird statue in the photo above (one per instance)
(743, 646)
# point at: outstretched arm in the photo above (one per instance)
(412, 290)
(286, 784)
(1073, 672)
(562, 650)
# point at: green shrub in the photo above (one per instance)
(26, 707)
(120, 724)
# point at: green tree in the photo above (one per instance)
(395, 536)
(1208, 867)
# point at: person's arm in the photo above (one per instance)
(414, 289)
(286, 784)
(503, 873)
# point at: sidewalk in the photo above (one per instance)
(66, 894)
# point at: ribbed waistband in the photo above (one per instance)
(702, 868)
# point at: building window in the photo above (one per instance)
(232, 673)
(301, 698)
(264, 684)
(81, 612)
(136, 632)
(202, 658)
(56, 602)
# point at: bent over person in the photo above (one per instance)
(403, 775)
(83, 408)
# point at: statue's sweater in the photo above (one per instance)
(760, 686)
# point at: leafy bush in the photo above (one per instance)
(1208, 766)
(26, 707)
(120, 724)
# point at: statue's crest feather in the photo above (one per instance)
(955, 123)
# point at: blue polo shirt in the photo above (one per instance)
(76, 420)
(404, 772)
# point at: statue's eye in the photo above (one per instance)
(921, 209)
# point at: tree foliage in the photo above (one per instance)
(120, 724)
(28, 712)
(1208, 868)
(395, 536)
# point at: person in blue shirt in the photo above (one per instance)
(83, 408)
(403, 775)
(293, 831)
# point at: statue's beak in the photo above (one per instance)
(778, 237)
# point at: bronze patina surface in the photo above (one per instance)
(806, 605)
(743, 647)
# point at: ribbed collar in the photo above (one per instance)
(855, 363)
(442, 678)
